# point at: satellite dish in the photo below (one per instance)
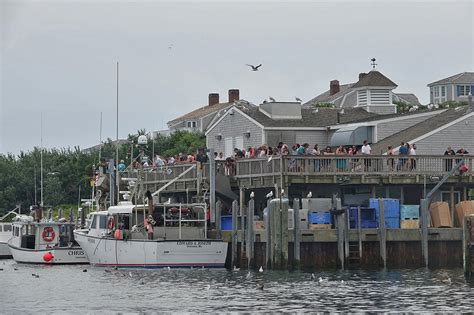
(142, 140)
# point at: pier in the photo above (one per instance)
(241, 189)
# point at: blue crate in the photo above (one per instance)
(368, 224)
(391, 207)
(319, 217)
(409, 212)
(226, 223)
(392, 223)
(367, 218)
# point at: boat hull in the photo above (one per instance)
(61, 256)
(106, 252)
(5, 251)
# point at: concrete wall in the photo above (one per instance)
(234, 126)
(460, 134)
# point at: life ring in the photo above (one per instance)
(110, 223)
(48, 234)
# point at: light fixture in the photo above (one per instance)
(219, 137)
(247, 134)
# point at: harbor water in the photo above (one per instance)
(85, 289)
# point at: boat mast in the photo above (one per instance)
(117, 181)
(41, 160)
(100, 137)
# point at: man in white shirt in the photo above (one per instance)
(366, 150)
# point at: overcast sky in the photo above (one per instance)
(59, 58)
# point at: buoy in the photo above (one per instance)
(48, 256)
(117, 234)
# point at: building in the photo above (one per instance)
(372, 92)
(198, 120)
(454, 88)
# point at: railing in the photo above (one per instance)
(347, 165)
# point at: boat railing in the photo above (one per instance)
(189, 216)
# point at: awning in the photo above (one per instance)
(124, 207)
(354, 135)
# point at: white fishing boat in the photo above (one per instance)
(44, 242)
(6, 232)
(126, 236)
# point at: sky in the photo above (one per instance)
(58, 59)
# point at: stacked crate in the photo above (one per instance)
(391, 210)
(319, 220)
(409, 216)
(367, 218)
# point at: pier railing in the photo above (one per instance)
(347, 165)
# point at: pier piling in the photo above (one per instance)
(250, 234)
(382, 233)
(235, 206)
(296, 233)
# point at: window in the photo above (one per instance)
(0, 228)
(443, 91)
(463, 90)
(436, 91)
(94, 222)
(102, 222)
(191, 124)
(7, 228)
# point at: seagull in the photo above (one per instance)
(130, 274)
(310, 194)
(260, 286)
(269, 158)
(269, 195)
(85, 270)
(298, 99)
(107, 270)
(261, 269)
(271, 99)
(282, 191)
(35, 275)
(249, 275)
(265, 101)
(252, 195)
(254, 68)
(168, 268)
(342, 281)
(313, 277)
(236, 269)
(320, 279)
(208, 287)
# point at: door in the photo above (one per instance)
(228, 147)
(239, 142)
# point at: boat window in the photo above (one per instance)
(94, 222)
(0, 228)
(102, 222)
(7, 228)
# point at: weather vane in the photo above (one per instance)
(373, 64)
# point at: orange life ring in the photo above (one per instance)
(110, 223)
(48, 234)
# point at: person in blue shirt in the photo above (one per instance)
(402, 151)
(121, 167)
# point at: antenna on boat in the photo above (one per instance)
(100, 137)
(41, 160)
(117, 181)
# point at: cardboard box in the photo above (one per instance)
(320, 226)
(463, 209)
(409, 224)
(440, 216)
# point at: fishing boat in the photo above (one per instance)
(6, 232)
(161, 236)
(45, 242)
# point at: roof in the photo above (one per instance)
(408, 98)
(463, 77)
(201, 112)
(327, 98)
(390, 116)
(311, 117)
(374, 78)
(422, 128)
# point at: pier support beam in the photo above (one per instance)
(268, 236)
(468, 249)
(235, 207)
(424, 213)
(382, 233)
(250, 234)
(296, 233)
(218, 219)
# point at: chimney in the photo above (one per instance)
(333, 87)
(213, 99)
(233, 95)
(361, 75)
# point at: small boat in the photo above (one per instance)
(125, 236)
(6, 233)
(44, 242)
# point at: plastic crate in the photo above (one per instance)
(409, 212)
(391, 207)
(320, 217)
(367, 217)
(392, 223)
(226, 223)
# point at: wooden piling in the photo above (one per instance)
(467, 230)
(250, 234)
(424, 212)
(340, 239)
(275, 233)
(296, 233)
(218, 219)
(235, 206)
(284, 205)
(359, 230)
(268, 237)
(382, 233)
(242, 222)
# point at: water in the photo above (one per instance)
(67, 289)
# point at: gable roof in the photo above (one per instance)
(422, 128)
(327, 98)
(408, 98)
(463, 77)
(201, 112)
(311, 117)
(374, 78)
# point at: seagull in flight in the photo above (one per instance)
(254, 68)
